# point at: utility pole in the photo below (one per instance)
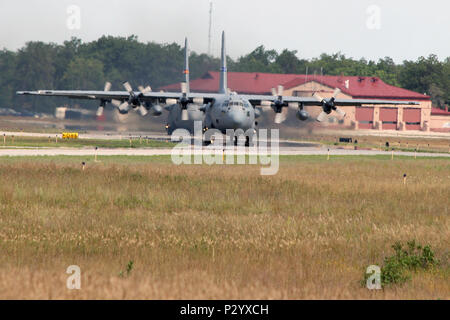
(210, 24)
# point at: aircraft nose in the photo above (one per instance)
(236, 117)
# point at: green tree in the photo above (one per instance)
(84, 74)
(426, 75)
(259, 60)
(7, 75)
(35, 69)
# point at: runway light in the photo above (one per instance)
(83, 165)
(404, 178)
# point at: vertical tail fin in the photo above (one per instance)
(186, 65)
(223, 70)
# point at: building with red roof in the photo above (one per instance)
(389, 117)
(440, 119)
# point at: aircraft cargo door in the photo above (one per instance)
(388, 118)
(411, 117)
(364, 116)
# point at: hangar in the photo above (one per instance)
(390, 117)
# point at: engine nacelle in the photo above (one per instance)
(302, 115)
(156, 110)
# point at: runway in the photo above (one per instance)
(286, 147)
(283, 151)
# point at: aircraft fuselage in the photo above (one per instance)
(229, 112)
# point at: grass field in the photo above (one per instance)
(423, 144)
(211, 232)
(52, 142)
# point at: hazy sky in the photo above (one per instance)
(401, 29)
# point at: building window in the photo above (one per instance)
(298, 93)
(413, 123)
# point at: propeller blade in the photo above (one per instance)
(107, 86)
(274, 91)
(322, 116)
(184, 115)
(336, 92)
(122, 118)
(280, 90)
(281, 117)
(116, 103)
(145, 90)
(142, 110)
(100, 111)
(317, 96)
(264, 108)
(127, 86)
(340, 112)
(124, 107)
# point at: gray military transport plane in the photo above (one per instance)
(223, 110)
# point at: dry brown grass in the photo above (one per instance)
(201, 232)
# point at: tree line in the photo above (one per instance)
(83, 66)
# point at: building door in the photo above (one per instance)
(388, 118)
(364, 116)
(412, 117)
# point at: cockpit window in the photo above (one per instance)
(236, 103)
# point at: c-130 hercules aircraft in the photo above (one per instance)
(223, 110)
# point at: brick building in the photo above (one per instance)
(390, 117)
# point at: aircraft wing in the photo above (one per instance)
(311, 101)
(78, 94)
(117, 95)
(98, 95)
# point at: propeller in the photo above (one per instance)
(328, 105)
(142, 109)
(278, 104)
(184, 102)
(133, 100)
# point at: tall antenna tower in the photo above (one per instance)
(210, 24)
